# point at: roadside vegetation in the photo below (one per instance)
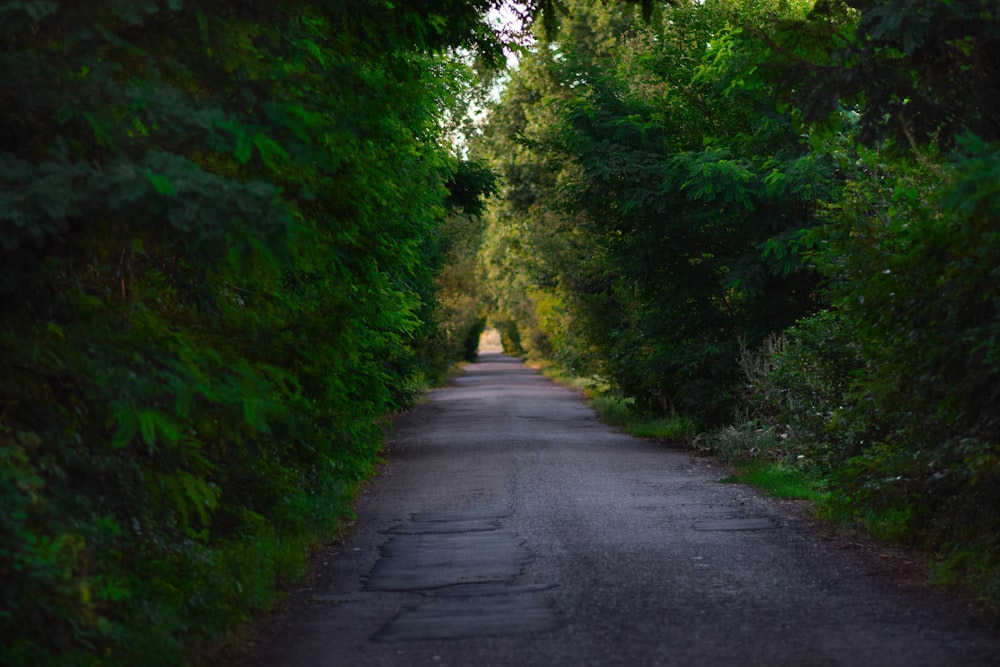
(619, 410)
(780, 222)
(232, 243)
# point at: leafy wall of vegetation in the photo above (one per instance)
(781, 217)
(653, 198)
(220, 232)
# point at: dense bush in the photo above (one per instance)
(221, 230)
(900, 378)
(893, 392)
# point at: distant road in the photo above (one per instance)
(511, 528)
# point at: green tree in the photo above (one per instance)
(920, 70)
(220, 230)
(658, 191)
(894, 388)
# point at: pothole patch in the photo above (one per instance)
(412, 562)
(464, 566)
(490, 616)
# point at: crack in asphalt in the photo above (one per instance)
(464, 566)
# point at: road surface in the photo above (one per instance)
(511, 528)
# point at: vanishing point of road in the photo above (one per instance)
(511, 528)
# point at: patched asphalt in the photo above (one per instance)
(465, 565)
(510, 527)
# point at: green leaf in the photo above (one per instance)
(154, 424)
(161, 184)
(270, 151)
(244, 148)
(127, 427)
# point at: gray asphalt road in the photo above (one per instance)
(512, 528)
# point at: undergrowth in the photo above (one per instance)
(618, 410)
(779, 480)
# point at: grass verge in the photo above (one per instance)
(779, 480)
(620, 411)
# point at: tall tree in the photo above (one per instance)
(219, 225)
(662, 192)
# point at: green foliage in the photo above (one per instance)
(667, 429)
(796, 384)
(234, 238)
(923, 307)
(622, 413)
(780, 217)
(918, 70)
(893, 390)
(779, 480)
(653, 194)
(221, 231)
